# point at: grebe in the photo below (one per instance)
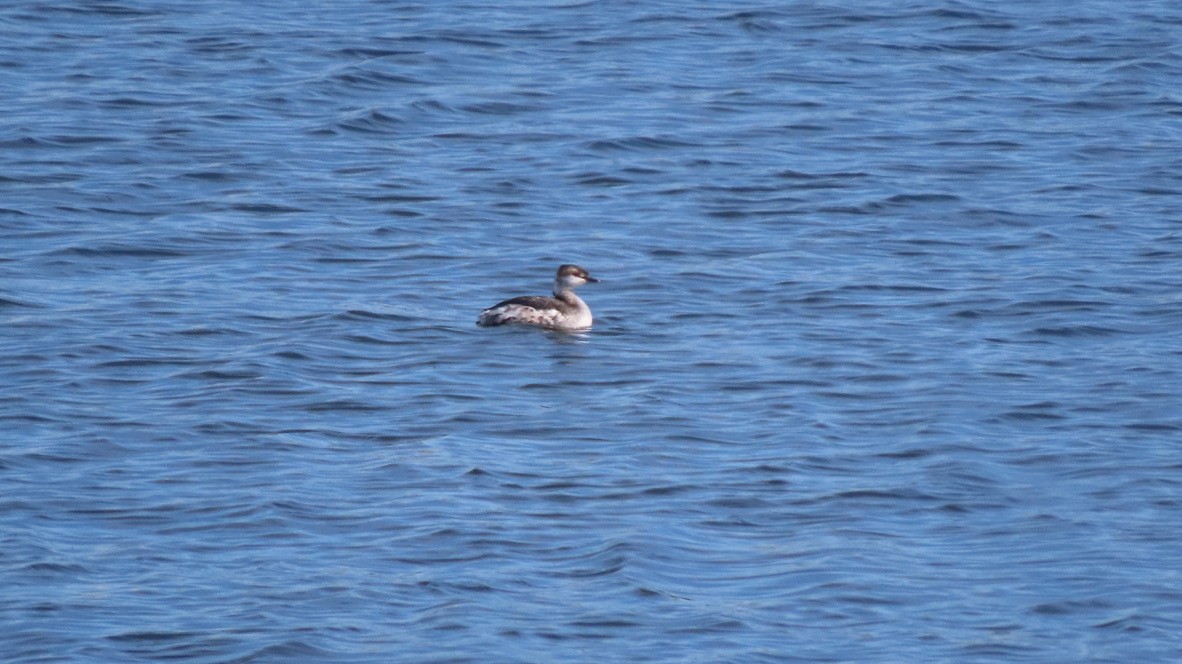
(564, 311)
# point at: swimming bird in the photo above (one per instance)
(564, 311)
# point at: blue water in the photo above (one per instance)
(886, 364)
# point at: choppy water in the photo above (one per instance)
(886, 364)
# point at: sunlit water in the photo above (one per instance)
(886, 363)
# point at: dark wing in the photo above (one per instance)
(535, 301)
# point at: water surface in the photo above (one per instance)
(885, 364)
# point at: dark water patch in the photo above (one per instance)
(729, 214)
(605, 623)
(125, 212)
(266, 208)
(212, 176)
(43, 568)
(129, 102)
(371, 52)
(914, 453)
(22, 142)
(70, 140)
(1069, 607)
(1154, 426)
(847, 209)
(152, 636)
(342, 405)
(463, 136)
(203, 331)
(219, 375)
(432, 106)
(592, 179)
(1007, 651)
(365, 339)
(405, 214)
(739, 503)
(1156, 254)
(219, 45)
(290, 650)
(401, 198)
(1061, 305)
(1031, 416)
(637, 143)
(1158, 191)
(1076, 331)
(372, 121)
(892, 288)
(666, 253)
(638, 170)
(466, 39)
(908, 199)
(121, 252)
(982, 144)
(6, 302)
(500, 108)
(143, 362)
(110, 9)
(975, 47)
(1128, 621)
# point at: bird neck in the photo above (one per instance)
(567, 295)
